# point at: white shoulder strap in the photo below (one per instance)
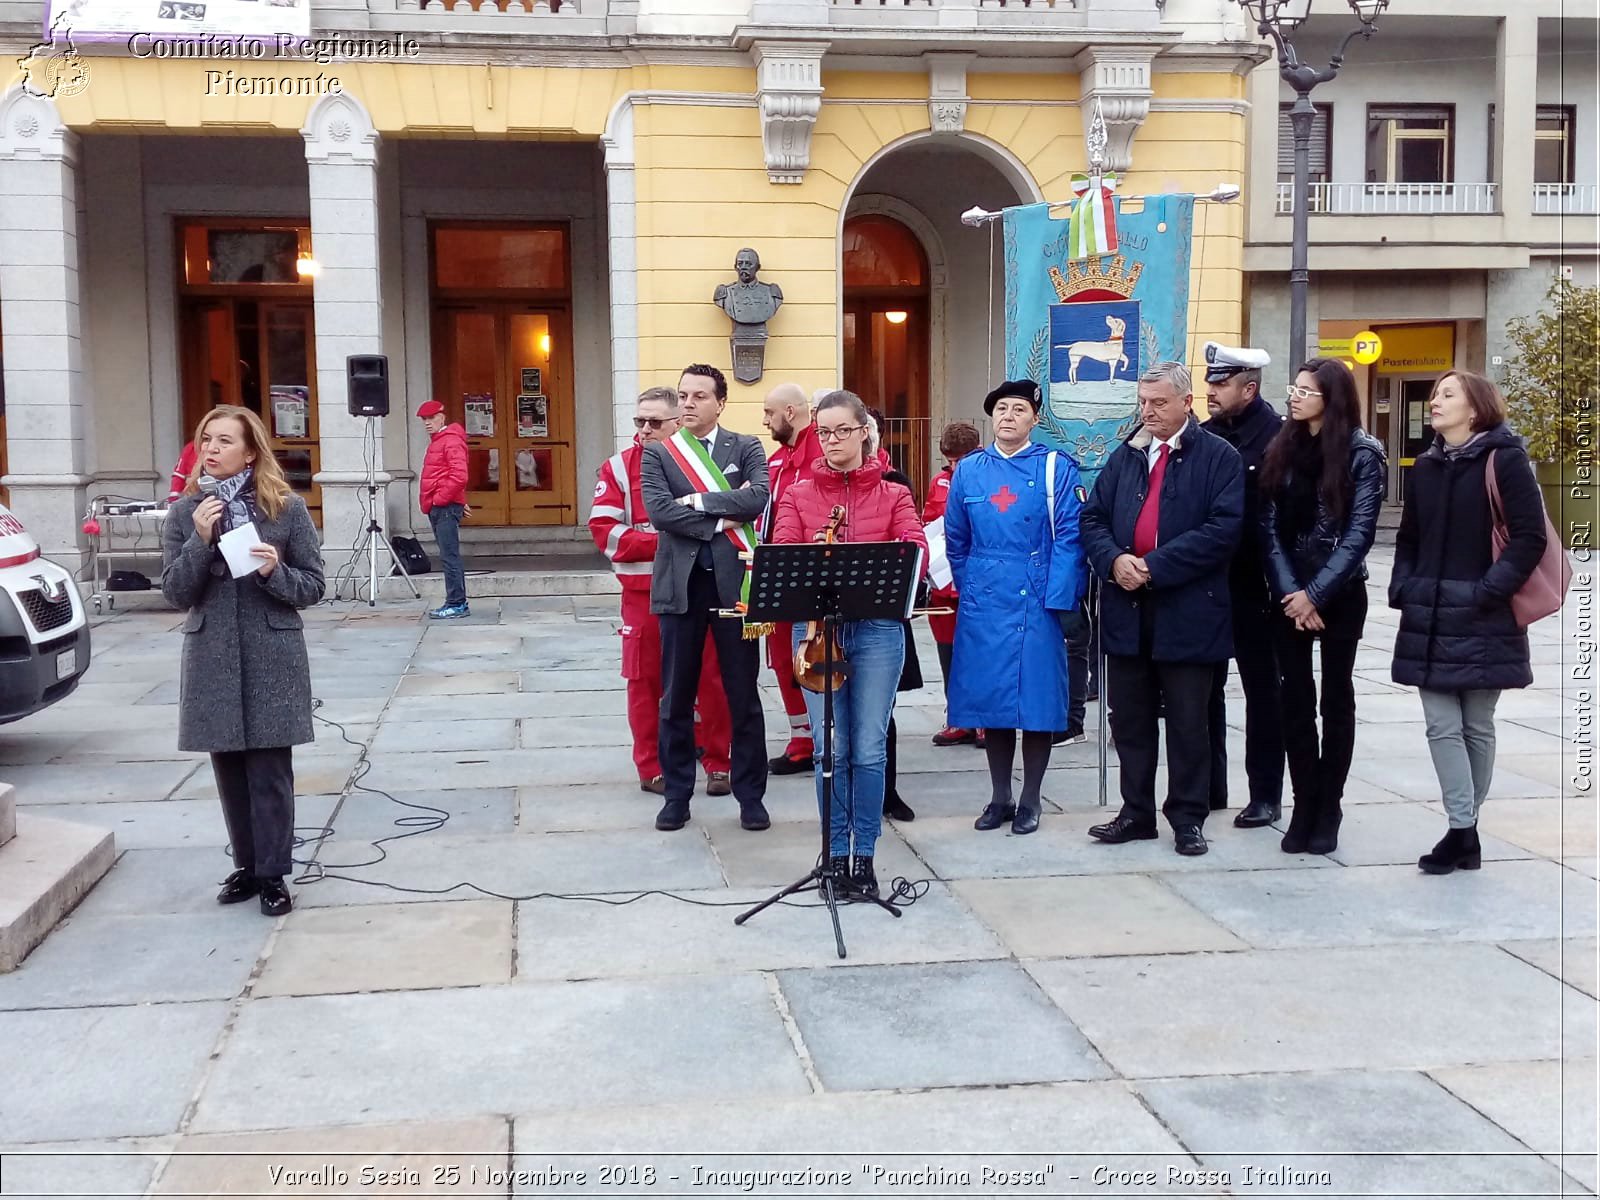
(1050, 488)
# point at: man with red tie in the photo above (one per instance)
(621, 529)
(787, 415)
(1160, 528)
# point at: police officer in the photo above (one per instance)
(1248, 423)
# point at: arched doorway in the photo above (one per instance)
(886, 319)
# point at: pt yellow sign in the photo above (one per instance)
(1366, 347)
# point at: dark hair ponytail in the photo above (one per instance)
(1341, 414)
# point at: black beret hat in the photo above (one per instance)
(1025, 389)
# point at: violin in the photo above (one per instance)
(810, 656)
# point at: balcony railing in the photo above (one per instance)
(1423, 199)
(541, 16)
(1566, 198)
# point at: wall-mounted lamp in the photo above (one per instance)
(306, 266)
(896, 317)
(544, 344)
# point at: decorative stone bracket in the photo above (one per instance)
(947, 91)
(789, 96)
(1119, 79)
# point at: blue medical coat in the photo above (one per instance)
(1015, 574)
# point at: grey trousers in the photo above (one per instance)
(257, 790)
(1461, 740)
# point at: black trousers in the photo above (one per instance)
(1255, 654)
(1138, 687)
(257, 790)
(683, 640)
(1318, 768)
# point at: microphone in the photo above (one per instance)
(207, 485)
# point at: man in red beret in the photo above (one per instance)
(443, 497)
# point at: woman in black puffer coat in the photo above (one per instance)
(1322, 482)
(1459, 642)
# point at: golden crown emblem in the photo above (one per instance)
(1107, 273)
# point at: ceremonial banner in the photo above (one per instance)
(1084, 329)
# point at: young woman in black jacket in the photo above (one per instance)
(1459, 642)
(1322, 483)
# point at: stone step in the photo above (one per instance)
(44, 871)
(8, 813)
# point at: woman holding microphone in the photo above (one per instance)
(850, 477)
(245, 685)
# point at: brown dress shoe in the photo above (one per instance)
(719, 783)
(656, 786)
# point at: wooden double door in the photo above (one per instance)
(503, 370)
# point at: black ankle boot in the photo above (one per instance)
(1302, 819)
(862, 878)
(1459, 848)
(1325, 829)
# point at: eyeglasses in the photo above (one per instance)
(1300, 393)
(652, 422)
(838, 434)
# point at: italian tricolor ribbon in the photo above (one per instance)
(1093, 228)
(703, 474)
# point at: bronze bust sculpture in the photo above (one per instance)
(750, 304)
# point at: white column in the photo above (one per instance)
(342, 158)
(623, 259)
(40, 310)
(1516, 118)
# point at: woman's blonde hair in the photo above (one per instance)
(272, 489)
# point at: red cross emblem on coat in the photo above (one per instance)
(1004, 498)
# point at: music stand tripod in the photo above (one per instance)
(853, 581)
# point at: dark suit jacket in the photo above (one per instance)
(682, 529)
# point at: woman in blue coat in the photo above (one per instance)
(1011, 535)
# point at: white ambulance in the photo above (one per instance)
(44, 630)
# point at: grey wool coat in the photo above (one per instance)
(246, 680)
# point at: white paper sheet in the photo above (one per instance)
(236, 545)
(938, 566)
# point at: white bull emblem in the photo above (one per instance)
(1109, 351)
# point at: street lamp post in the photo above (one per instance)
(1278, 19)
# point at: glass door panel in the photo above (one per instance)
(539, 423)
(290, 409)
(472, 395)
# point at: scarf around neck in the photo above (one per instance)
(238, 496)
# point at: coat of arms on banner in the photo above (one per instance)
(1094, 372)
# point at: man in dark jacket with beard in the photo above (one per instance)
(1240, 417)
(1160, 528)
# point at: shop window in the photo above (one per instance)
(485, 259)
(1410, 143)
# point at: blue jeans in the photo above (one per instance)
(862, 707)
(446, 522)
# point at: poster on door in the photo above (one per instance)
(479, 409)
(533, 416)
(291, 410)
(532, 380)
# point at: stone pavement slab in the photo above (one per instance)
(241, 1164)
(1379, 834)
(1374, 1133)
(92, 1072)
(1545, 825)
(506, 704)
(414, 736)
(140, 959)
(162, 881)
(79, 783)
(537, 733)
(364, 816)
(519, 866)
(463, 1052)
(1570, 959)
(789, 849)
(661, 936)
(567, 808)
(390, 947)
(1372, 1008)
(463, 684)
(1549, 1106)
(938, 1025)
(1365, 906)
(1413, 776)
(395, 772)
(1092, 915)
(101, 1168)
(156, 824)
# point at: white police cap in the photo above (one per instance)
(1224, 362)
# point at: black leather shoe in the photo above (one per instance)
(674, 814)
(838, 869)
(275, 899)
(1026, 820)
(753, 816)
(994, 815)
(1187, 839)
(784, 765)
(241, 885)
(1258, 813)
(863, 880)
(898, 809)
(1123, 829)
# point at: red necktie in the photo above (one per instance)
(1149, 522)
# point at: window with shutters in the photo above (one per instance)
(1321, 144)
(1553, 144)
(1410, 143)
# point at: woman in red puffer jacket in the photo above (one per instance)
(875, 510)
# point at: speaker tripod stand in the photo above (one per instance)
(373, 534)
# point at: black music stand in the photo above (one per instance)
(843, 581)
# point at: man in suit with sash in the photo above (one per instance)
(704, 487)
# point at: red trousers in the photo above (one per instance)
(641, 667)
(780, 656)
